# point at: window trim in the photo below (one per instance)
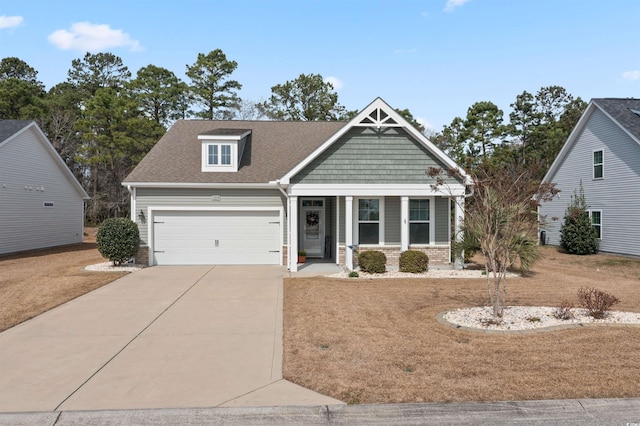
(594, 164)
(599, 225)
(207, 166)
(431, 201)
(380, 221)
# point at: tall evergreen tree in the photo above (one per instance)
(211, 85)
(306, 98)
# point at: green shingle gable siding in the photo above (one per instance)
(367, 156)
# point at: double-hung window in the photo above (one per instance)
(598, 164)
(596, 221)
(369, 221)
(219, 155)
(419, 221)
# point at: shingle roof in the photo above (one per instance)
(620, 110)
(9, 128)
(272, 149)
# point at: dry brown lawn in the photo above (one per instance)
(377, 341)
(36, 281)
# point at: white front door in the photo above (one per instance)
(312, 226)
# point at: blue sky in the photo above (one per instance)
(435, 57)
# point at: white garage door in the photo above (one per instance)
(216, 238)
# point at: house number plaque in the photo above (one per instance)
(215, 198)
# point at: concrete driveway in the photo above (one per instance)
(162, 337)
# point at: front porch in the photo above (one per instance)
(332, 229)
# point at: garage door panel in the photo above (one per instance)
(224, 237)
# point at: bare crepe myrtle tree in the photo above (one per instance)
(501, 221)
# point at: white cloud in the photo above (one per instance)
(10, 21)
(335, 81)
(85, 36)
(631, 75)
(452, 4)
(424, 123)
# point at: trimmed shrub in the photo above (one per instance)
(414, 261)
(372, 261)
(595, 301)
(354, 274)
(577, 235)
(118, 240)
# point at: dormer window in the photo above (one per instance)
(219, 154)
(222, 149)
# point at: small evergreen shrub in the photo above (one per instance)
(595, 301)
(354, 274)
(414, 261)
(577, 235)
(118, 240)
(372, 261)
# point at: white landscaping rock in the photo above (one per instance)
(108, 267)
(524, 318)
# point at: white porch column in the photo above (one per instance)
(404, 221)
(348, 232)
(293, 234)
(459, 222)
(336, 243)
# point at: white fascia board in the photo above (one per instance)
(366, 190)
(573, 136)
(224, 137)
(200, 185)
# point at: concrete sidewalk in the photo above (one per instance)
(162, 337)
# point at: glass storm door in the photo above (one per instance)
(312, 226)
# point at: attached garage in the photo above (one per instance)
(227, 237)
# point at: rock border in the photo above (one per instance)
(440, 317)
(108, 267)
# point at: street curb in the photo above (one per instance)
(547, 412)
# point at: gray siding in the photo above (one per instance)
(442, 220)
(179, 197)
(392, 225)
(617, 195)
(364, 156)
(26, 166)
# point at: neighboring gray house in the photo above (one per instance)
(602, 152)
(257, 192)
(41, 202)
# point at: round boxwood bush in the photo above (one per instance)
(118, 240)
(372, 261)
(414, 261)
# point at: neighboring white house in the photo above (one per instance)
(603, 153)
(230, 192)
(41, 202)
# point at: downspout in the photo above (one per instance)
(279, 185)
(132, 192)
